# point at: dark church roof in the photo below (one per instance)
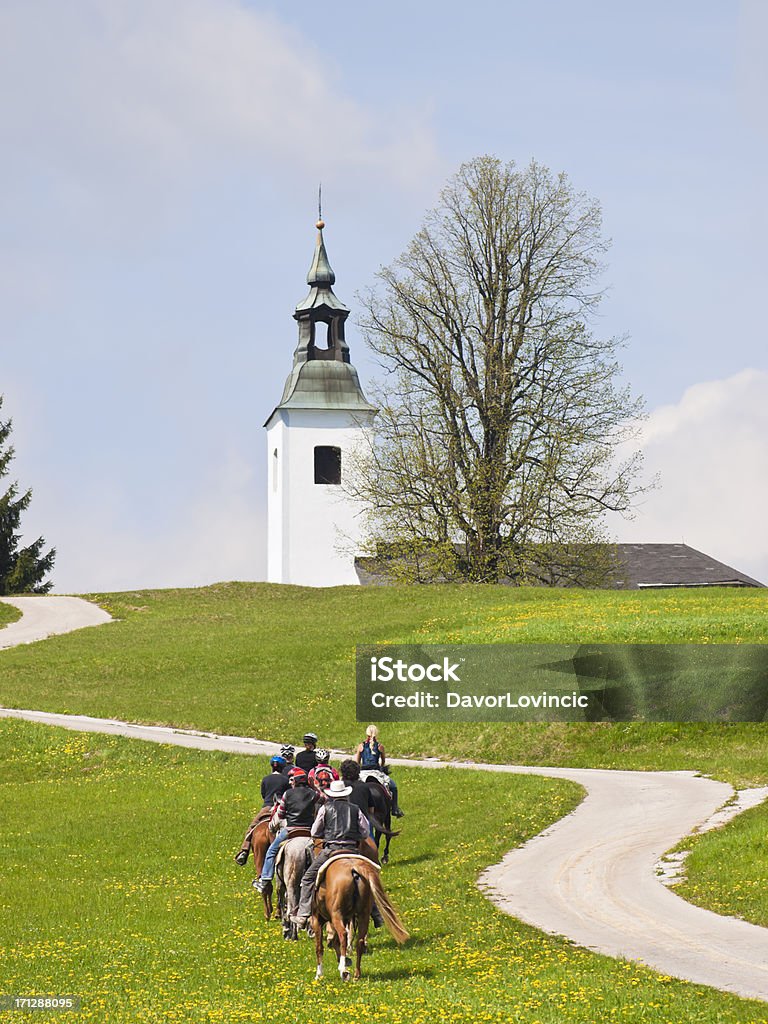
(673, 565)
(638, 566)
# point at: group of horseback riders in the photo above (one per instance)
(305, 795)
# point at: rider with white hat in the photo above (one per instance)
(341, 825)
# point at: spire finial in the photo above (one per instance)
(320, 222)
(320, 273)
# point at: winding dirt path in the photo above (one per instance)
(590, 876)
(45, 616)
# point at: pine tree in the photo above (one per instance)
(22, 570)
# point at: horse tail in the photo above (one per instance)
(383, 828)
(394, 925)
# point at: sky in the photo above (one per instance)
(158, 188)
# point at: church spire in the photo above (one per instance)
(322, 375)
(320, 273)
(321, 315)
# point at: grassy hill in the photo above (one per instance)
(8, 614)
(117, 876)
(272, 662)
(119, 853)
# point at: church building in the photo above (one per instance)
(315, 530)
(313, 522)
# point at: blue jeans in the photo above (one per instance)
(393, 790)
(269, 861)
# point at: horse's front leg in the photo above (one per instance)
(267, 897)
(318, 929)
(284, 911)
(291, 906)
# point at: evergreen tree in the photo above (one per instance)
(22, 570)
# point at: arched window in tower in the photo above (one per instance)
(274, 470)
(322, 335)
(327, 464)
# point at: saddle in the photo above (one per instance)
(377, 776)
(366, 848)
(344, 855)
(299, 832)
(263, 815)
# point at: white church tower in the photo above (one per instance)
(314, 528)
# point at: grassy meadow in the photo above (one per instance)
(117, 885)
(117, 882)
(727, 869)
(272, 662)
(8, 614)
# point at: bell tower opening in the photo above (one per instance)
(323, 337)
(327, 464)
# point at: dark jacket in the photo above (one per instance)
(272, 788)
(299, 806)
(341, 826)
(360, 796)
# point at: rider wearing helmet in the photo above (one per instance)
(306, 758)
(274, 785)
(322, 775)
(272, 788)
(371, 757)
(287, 751)
(297, 810)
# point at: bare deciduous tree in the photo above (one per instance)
(500, 413)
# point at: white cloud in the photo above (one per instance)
(711, 452)
(148, 87)
(220, 535)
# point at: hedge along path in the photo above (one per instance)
(590, 877)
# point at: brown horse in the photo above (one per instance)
(343, 901)
(261, 837)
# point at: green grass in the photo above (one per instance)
(727, 869)
(273, 661)
(117, 884)
(8, 614)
